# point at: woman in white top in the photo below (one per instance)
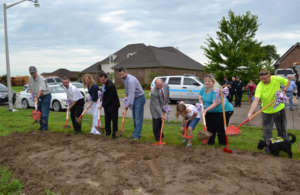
(190, 116)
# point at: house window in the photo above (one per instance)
(174, 81)
(188, 81)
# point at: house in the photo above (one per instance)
(109, 62)
(153, 61)
(72, 75)
(290, 57)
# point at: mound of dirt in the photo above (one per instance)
(86, 164)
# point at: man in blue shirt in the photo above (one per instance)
(289, 92)
(136, 100)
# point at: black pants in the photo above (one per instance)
(76, 110)
(215, 125)
(298, 88)
(238, 98)
(279, 118)
(111, 116)
(156, 124)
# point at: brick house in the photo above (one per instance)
(109, 62)
(158, 61)
(290, 57)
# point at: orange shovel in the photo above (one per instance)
(120, 133)
(232, 130)
(161, 132)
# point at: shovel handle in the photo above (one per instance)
(203, 117)
(123, 119)
(256, 113)
(262, 109)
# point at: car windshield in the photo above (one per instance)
(199, 79)
(58, 80)
(285, 72)
(50, 80)
(57, 89)
(78, 85)
(2, 86)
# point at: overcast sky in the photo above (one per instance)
(74, 34)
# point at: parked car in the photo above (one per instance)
(182, 87)
(58, 100)
(286, 73)
(4, 94)
(53, 80)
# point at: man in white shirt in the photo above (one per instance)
(75, 101)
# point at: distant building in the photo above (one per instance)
(289, 57)
(72, 75)
(144, 62)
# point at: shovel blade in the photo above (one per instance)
(232, 130)
(227, 150)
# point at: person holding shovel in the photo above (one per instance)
(158, 100)
(41, 95)
(88, 81)
(210, 96)
(76, 102)
(110, 103)
(266, 93)
(190, 118)
(136, 100)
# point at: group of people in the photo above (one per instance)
(209, 96)
(235, 87)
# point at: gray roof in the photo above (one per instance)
(120, 56)
(151, 57)
(286, 54)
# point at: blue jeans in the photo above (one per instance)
(138, 115)
(44, 108)
(289, 94)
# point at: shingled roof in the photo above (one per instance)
(62, 72)
(120, 56)
(286, 54)
(151, 57)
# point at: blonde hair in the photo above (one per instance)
(88, 80)
(181, 110)
(216, 85)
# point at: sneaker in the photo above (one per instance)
(184, 141)
(188, 145)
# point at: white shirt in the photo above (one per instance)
(73, 93)
(193, 110)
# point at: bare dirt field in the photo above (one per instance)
(86, 164)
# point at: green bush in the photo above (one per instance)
(7, 184)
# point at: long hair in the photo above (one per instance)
(216, 85)
(88, 80)
(181, 110)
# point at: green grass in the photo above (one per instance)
(8, 185)
(18, 88)
(121, 93)
(21, 121)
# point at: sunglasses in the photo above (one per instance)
(263, 73)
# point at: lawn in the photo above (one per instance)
(18, 88)
(21, 121)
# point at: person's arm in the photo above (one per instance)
(286, 87)
(253, 106)
(212, 106)
(131, 92)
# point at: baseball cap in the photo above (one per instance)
(32, 69)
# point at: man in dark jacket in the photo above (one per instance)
(238, 85)
(110, 103)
